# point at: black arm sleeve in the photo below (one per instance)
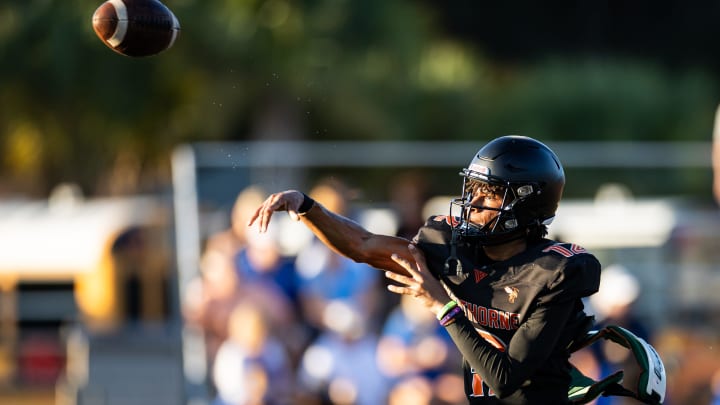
(504, 370)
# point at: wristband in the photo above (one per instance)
(450, 305)
(306, 205)
(449, 319)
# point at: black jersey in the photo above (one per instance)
(521, 314)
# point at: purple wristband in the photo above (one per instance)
(447, 319)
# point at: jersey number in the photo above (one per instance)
(566, 251)
(479, 388)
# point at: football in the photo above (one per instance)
(136, 28)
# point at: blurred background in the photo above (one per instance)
(127, 275)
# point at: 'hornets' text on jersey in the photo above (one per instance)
(520, 314)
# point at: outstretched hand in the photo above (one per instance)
(289, 201)
(420, 284)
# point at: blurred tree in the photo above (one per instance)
(72, 110)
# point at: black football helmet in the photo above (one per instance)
(531, 179)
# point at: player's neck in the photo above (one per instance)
(506, 250)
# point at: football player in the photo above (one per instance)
(509, 297)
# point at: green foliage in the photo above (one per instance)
(73, 110)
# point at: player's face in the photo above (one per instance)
(483, 198)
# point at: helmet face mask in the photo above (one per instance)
(503, 227)
(528, 177)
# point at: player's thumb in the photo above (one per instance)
(294, 215)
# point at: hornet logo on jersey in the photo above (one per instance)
(512, 294)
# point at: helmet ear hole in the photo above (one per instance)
(511, 224)
(524, 191)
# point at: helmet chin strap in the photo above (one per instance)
(499, 239)
(487, 234)
(453, 263)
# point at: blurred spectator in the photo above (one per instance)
(326, 277)
(268, 275)
(219, 288)
(211, 296)
(691, 361)
(210, 299)
(408, 195)
(413, 390)
(339, 366)
(412, 342)
(419, 390)
(415, 351)
(232, 239)
(261, 262)
(715, 387)
(252, 367)
(613, 304)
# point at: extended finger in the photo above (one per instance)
(267, 212)
(254, 216)
(405, 264)
(420, 263)
(402, 290)
(400, 278)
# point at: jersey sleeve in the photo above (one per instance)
(505, 369)
(574, 278)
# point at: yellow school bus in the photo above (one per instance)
(100, 263)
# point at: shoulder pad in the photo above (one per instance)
(434, 239)
(575, 271)
(436, 230)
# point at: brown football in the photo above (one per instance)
(136, 28)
